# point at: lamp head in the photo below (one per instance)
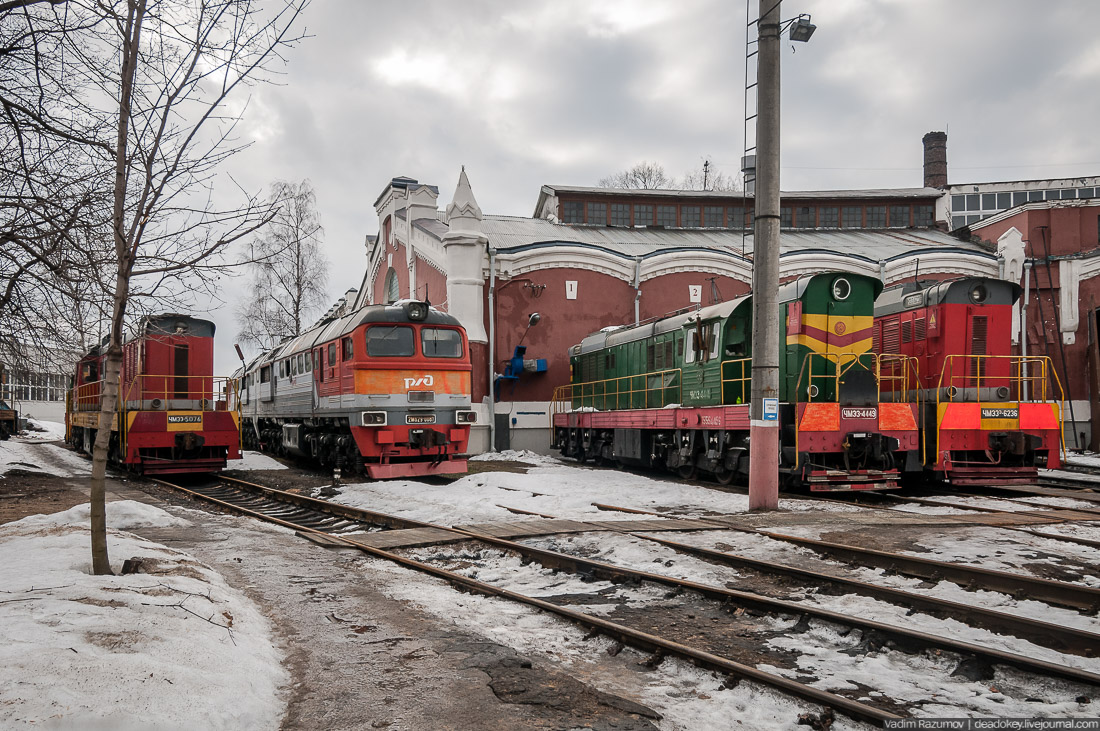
(802, 29)
(533, 319)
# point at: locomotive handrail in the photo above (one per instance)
(584, 395)
(88, 397)
(1029, 375)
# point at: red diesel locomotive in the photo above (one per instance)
(988, 417)
(382, 391)
(172, 415)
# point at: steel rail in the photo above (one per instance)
(1063, 593)
(597, 569)
(627, 635)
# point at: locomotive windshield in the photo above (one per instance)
(440, 343)
(390, 341)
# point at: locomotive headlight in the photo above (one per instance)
(841, 289)
(417, 311)
(374, 418)
(978, 293)
(465, 417)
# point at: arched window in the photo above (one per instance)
(393, 289)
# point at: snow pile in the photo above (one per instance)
(555, 488)
(254, 461)
(175, 648)
(516, 455)
(47, 459)
(42, 431)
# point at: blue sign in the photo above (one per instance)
(771, 409)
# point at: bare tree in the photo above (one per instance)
(642, 176)
(116, 117)
(290, 272)
(707, 177)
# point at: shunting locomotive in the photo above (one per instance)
(674, 393)
(988, 417)
(382, 391)
(172, 414)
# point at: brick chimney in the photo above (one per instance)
(935, 160)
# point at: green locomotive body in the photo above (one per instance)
(674, 393)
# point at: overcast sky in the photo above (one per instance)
(568, 91)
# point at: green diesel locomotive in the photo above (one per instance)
(673, 393)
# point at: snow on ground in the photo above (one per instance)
(1084, 459)
(552, 488)
(254, 461)
(1088, 531)
(48, 459)
(127, 652)
(685, 696)
(42, 431)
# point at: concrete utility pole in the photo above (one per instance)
(764, 427)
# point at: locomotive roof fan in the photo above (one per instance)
(417, 311)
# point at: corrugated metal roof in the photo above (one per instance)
(860, 194)
(515, 233)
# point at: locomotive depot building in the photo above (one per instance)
(591, 258)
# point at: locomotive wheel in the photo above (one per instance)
(687, 471)
(582, 457)
(723, 476)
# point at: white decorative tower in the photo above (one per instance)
(465, 246)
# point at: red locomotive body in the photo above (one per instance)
(987, 416)
(172, 414)
(382, 391)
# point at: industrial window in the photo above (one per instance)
(805, 217)
(643, 215)
(620, 214)
(785, 218)
(876, 216)
(923, 216)
(1069, 193)
(394, 341)
(989, 201)
(1034, 195)
(1052, 195)
(597, 213)
(958, 203)
(437, 342)
(828, 217)
(712, 217)
(899, 216)
(573, 212)
(1086, 192)
(666, 216)
(735, 218)
(957, 222)
(1004, 200)
(349, 349)
(331, 354)
(973, 202)
(689, 216)
(853, 217)
(1019, 198)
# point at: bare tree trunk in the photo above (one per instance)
(101, 563)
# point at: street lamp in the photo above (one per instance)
(801, 28)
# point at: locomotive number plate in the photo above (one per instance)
(420, 419)
(185, 418)
(1012, 413)
(866, 413)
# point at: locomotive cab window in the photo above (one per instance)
(390, 341)
(331, 355)
(349, 349)
(439, 343)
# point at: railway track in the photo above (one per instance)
(331, 524)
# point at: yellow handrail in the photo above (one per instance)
(1027, 375)
(215, 391)
(617, 393)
